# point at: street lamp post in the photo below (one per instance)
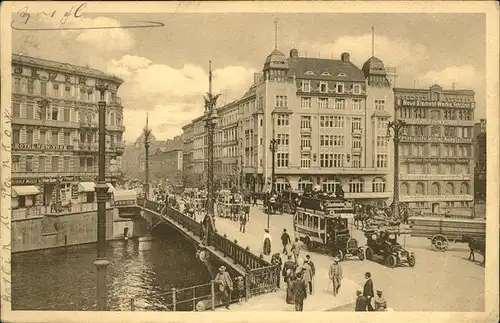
(101, 188)
(210, 117)
(241, 173)
(273, 145)
(397, 127)
(147, 133)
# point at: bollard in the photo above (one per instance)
(132, 305)
(212, 293)
(174, 300)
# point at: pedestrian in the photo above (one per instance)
(335, 274)
(285, 240)
(299, 293)
(266, 248)
(223, 279)
(288, 273)
(240, 286)
(313, 272)
(361, 302)
(368, 290)
(307, 275)
(379, 302)
(276, 261)
(296, 250)
(243, 221)
(255, 199)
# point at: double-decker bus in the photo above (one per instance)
(318, 221)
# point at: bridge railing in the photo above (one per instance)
(263, 280)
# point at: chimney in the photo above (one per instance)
(345, 57)
(294, 54)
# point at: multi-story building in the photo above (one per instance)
(480, 160)
(166, 162)
(336, 111)
(55, 131)
(436, 149)
(187, 155)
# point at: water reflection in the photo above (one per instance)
(61, 279)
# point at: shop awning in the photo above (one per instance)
(86, 187)
(125, 195)
(25, 190)
(111, 188)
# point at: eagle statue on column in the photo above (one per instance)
(210, 101)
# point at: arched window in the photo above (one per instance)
(305, 182)
(449, 188)
(331, 184)
(464, 188)
(419, 189)
(378, 184)
(356, 185)
(112, 118)
(435, 189)
(403, 189)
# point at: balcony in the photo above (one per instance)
(331, 171)
(304, 148)
(435, 198)
(89, 124)
(45, 123)
(436, 177)
(115, 128)
(85, 146)
(357, 132)
(116, 101)
(305, 130)
(368, 195)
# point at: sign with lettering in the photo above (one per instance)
(44, 147)
(433, 104)
(74, 191)
(25, 181)
(124, 203)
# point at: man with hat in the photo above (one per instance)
(336, 275)
(285, 240)
(309, 262)
(361, 302)
(368, 290)
(299, 292)
(379, 303)
(223, 279)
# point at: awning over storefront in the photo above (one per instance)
(125, 195)
(86, 187)
(24, 190)
(111, 188)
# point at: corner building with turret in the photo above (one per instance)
(329, 119)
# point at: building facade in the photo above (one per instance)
(480, 160)
(436, 149)
(55, 131)
(329, 119)
(166, 162)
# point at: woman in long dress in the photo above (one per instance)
(266, 249)
(289, 282)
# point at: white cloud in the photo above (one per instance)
(173, 96)
(464, 77)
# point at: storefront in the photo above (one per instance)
(87, 192)
(24, 196)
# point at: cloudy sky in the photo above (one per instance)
(166, 69)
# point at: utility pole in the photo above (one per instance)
(241, 173)
(397, 127)
(147, 133)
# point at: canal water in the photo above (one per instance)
(65, 279)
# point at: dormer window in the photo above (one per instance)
(339, 87)
(342, 74)
(325, 74)
(323, 87)
(309, 73)
(306, 86)
(356, 89)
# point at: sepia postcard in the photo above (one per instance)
(235, 161)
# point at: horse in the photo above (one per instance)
(478, 245)
(362, 215)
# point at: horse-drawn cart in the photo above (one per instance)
(442, 230)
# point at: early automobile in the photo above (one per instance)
(382, 243)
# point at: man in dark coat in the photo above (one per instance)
(276, 260)
(361, 302)
(299, 292)
(285, 240)
(368, 290)
(313, 272)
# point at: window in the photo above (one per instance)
(29, 111)
(382, 123)
(66, 164)
(323, 103)
(55, 113)
(339, 104)
(464, 188)
(281, 101)
(55, 138)
(67, 91)
(418, 130)
(419, 189)
(16, 110)
(90, 164)
(55, 90)
(29, 136)
(282, 139)
(305, 103)
(90, 95)
(41, 164)
(378, 185)
(380, 105)
(356, 185)
(356, 104)
(434, 150)
(66, 138)
(323, 87)
(356, 143)
(82, 164)
(306, 86)
(338, 160)
(43, 138)
(305, 141)
(30, 86)
(435, 114)
(305, 160)
(17, 85)
(356, 89)
(419, 113)
(356, 124)
(67, 112)
(331, 185)
(435, 189)
(305, 122)
(381, 160)
(43, 88)
(449, 188)
(403, 189)
(29, 163)
(356, 161)
(16, 136)
(82, 94)
(283, 120)
(450, 132)
(381, 142)
(339, 87)
(282, 160)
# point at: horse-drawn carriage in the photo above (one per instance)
(382, 243)
(441, 230)
(230, 205)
